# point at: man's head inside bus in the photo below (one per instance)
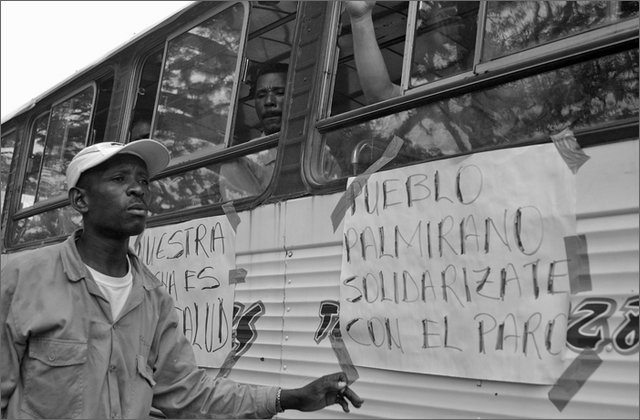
(271, 79)
(108, 185)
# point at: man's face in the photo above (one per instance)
(269, 99)
(117, 196)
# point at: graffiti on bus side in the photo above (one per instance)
(590, 325)
(329, 314)
(244, 325)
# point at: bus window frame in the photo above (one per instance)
(31, 128)
(550, 55)
(229, 152)
(234, 92)
(61, 199)
(132, 91)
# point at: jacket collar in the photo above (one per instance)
(76, 269)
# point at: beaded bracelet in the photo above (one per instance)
(278, 405)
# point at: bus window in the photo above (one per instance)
(146, 96)
(390, 24)
(443, 45)
(445, 38)
(67, 134)
(50, 224)
(586, 95)
(197, 85)
(207, 104)
(233, 179)
(271, 30)
(444, 42)
(513, 26)
(101, 112)
(34, 161)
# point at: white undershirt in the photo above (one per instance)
(115, 289)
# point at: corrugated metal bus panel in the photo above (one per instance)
(259, 250)
(297, 238)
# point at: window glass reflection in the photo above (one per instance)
(513, 26)
(444, 41)
(246, 176)
(579, 96)
(51, 224)
(197, 84)
(66, 136)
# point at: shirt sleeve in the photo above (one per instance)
(11, 346)
(183, 390)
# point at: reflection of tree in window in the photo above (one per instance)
(513, 26)
(66, 136)
(51, 224)
(197, 84)
(445, 40)
(30, 183)
(580, 96)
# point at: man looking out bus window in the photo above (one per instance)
(250, 175)
(87, 331)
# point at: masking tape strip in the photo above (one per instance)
(233, 217)
(344, 359)
(355, 188)
(237, 275)
(228, 364)
(574, 378)
(578, 264)
(569, 149)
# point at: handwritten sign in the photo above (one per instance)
(457, 267)
(193, 260)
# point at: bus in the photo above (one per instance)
(492, 95)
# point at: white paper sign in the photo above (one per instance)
(458, 267)
(193, 260)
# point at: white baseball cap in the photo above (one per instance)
(152, 152)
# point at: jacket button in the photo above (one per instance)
(51, 357)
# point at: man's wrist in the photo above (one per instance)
(288, 399)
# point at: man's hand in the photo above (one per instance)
(324, 391)
(358, 9)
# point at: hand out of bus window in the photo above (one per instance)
(444, 45)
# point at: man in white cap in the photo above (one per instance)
(88, 332)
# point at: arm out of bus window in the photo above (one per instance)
(372, 70)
